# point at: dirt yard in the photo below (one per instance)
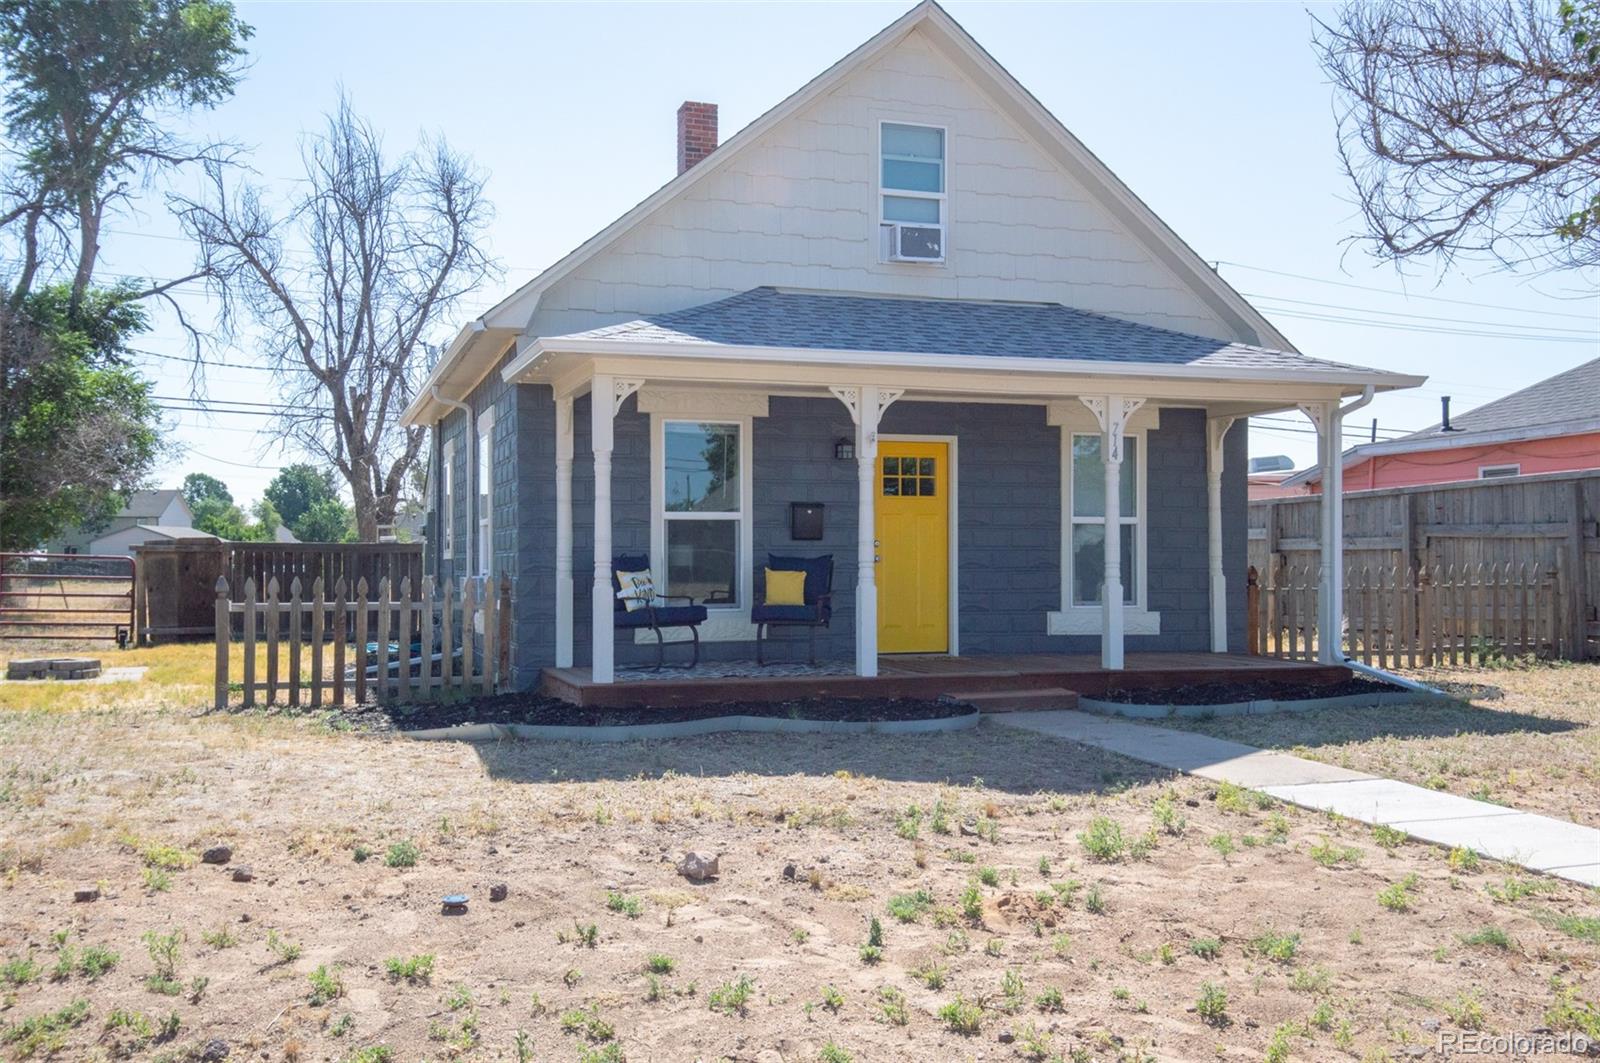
(1530, 737)
(1035, 900)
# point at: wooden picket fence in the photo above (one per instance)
(315, 645)
(1447, 615)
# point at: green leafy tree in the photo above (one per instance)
(327, 521)
(200, 488)
(78, 429)
(297, 488)
(91, 91)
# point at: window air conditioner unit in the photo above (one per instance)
(916, 243)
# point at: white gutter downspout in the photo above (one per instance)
(1390, 677)
(433, 390)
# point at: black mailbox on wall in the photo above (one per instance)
(805, 520)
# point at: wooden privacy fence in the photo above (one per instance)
(404, 642)
(1406, 619)
(177, 579)
(1549, 523)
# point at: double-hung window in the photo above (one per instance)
(485, 494)
(447, 499)
(1088, 520)
(912, 190)
(704, 509)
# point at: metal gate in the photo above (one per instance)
(67, 597)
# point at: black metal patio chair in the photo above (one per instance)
(646, 612)
(814, 612)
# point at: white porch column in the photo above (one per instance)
(1216, 432)
(606, 396)
(866, 406)
(564, 586)
(1330, 585)
(1112, 413)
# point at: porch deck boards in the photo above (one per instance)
(932, 676)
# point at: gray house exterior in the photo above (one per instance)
(908, 296)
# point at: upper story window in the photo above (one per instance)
(912, 192)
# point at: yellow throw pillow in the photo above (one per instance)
(638, 588)
(785, 587)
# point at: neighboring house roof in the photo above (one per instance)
(151, 503)
(488, 336)
(160, 531)
(281, 534)
(1565, 404)
(771, 318)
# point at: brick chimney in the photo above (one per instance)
(697, 132)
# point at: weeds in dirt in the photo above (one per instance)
(417, 970)
(962, 1016)
(1050, 999)
(832, 999)
(1570, 1013)
(1466, 1011)
(1464, 861)
(1103, 840)
(620, 902)
(587, 1023)
(1212, 1005)
(732, 997)
(1167, 816)
(659, 963)
(220, 938)
(1489, 936)
(19, 970)
(587, 935)
(1240, 800)
(326, 986)
(892, 1003)
(283, 950)
(1397, 896)
(1389, 837)
(402, 853)
(1094, 902)
(1205, 948)
(1329, 854)
(908, 907)
(44, 1035)
(832, 1053)
(1275, 946)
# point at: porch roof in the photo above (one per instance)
(769, 318)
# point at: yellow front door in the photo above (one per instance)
(913, 515)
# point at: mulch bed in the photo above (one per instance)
(1252, 690)
(531, 708)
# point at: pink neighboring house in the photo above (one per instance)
(1551, 426)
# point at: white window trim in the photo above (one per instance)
(484, 548)
(1514, 467)
(724, 623)
(447, 502)
(943, 197)
(1137, 619)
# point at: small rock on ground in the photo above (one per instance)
(217, 854)
(243, 874)
(86, 893)
(215, 1050)
(498, 891)
(697, 867)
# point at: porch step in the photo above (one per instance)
(1019, 700)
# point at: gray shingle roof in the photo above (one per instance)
(768, 317)
(1570, 396)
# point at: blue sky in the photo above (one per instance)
(1215, 114)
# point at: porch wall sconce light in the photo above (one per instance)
(844, 450)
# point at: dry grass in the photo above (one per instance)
(1118, 949)
(1529, 737)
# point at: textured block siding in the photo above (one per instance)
(1008, 522)
(1019, 227)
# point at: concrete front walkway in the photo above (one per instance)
(1539, 843)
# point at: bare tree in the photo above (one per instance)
(1471, 126)
(344, 289)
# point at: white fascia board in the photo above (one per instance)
(414, 413)
(1452, 441)
(1354, 382)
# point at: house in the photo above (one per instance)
(1551, 426)
(145, 517)
(909, 304)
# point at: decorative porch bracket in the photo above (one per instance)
(1324, 416)
(866, 405)
(1216, 432)
(607, 394)
(1112, 412)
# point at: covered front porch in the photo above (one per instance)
(1066, 473)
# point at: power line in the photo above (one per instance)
(1425, 317)
(1401, 326)
(1404, 295)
